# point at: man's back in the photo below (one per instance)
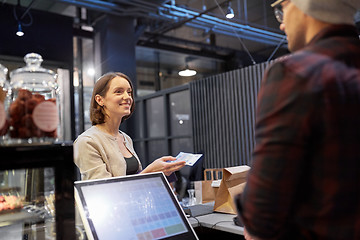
(305, 176)
(329, 194)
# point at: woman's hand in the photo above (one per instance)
(165, 165)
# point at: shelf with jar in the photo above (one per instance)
(29, 104)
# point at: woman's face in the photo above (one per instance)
(117, 101)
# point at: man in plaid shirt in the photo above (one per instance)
(304, 181)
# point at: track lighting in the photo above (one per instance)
(230, 12)
(19, 32)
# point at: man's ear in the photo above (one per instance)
(99, 100)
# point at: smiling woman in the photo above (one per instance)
(103, 151)
(101, 88)
(117, 103)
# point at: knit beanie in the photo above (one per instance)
(330, 11)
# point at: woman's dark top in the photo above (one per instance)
(132, 165)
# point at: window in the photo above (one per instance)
(163, 124)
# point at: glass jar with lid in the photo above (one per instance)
(34, 109)
(5, 92)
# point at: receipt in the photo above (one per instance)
(189, 158)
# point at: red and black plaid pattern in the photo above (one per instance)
(305, 177)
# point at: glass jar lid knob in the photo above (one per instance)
(33, 60)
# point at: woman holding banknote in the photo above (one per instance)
(103, 151)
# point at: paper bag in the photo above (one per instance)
(204, 192)
(233, 183)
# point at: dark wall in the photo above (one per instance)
(223, 116)
(50, 35)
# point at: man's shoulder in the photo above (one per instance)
(304, 57)
(304, 62)
(326, 52)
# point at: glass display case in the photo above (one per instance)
(36, 192)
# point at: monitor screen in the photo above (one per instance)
(140, 206)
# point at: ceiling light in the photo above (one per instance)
(19, 32)
(187, 72)
(25, 14)
(230, 12)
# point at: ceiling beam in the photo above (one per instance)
(189, 43)
(172, 48)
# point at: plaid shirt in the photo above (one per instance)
(305, 177)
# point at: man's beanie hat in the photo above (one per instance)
(330, 11)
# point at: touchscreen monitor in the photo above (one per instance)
(141, 206)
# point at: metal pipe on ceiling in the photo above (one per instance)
(174, 13)
(193, 17)
(242, 30)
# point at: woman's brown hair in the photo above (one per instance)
(97, 113)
